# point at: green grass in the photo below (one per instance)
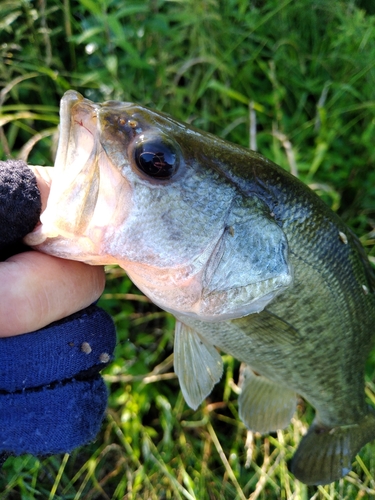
(305, 71)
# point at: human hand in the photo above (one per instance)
(37, 289)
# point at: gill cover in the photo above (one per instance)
(249, 265)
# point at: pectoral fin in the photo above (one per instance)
(197, 364)
(263, 405)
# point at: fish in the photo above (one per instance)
(248, 259)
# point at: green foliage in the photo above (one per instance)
(305, 71)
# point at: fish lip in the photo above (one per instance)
(117, 104)
(70, 99)
(72, 104)
(75, 111)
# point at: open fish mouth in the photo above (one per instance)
(81, 188)
(77, 166)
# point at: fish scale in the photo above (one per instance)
(247, 258)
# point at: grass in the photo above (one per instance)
(294, 80)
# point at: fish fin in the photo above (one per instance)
(263, 405)
(325, 454)
(369, 271)
(197, 364)
(268, 327)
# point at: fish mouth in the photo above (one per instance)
(77, 131)
(75, 185)
(72, 225)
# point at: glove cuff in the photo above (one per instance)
(52, 398)
(54, 419)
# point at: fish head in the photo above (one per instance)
(137, 188)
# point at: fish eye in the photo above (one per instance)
(156, 158)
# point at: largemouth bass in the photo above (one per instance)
(248, 259)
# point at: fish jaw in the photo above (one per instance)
(87, 191)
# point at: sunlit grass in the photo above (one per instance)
(293, 79)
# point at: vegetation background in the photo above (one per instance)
(294, 79)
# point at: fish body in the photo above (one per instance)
(248, 259)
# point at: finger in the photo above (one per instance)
(38, 289)
(44, 178)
